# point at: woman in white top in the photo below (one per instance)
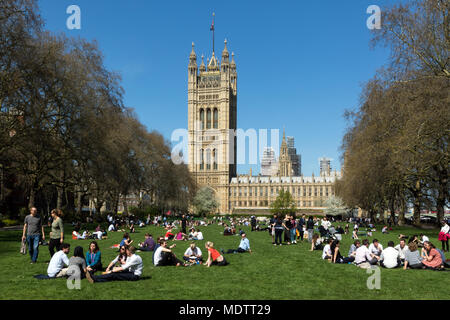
(444, 235)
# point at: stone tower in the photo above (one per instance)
(284, 162)
(212, 100)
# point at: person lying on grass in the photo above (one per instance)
(130, 271)
(214, 257)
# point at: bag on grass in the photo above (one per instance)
(23, 247)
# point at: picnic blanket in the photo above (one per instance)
(43, 277)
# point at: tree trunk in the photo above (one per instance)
(59, 199)
(32, 195)
(442, 195)
(417, 199)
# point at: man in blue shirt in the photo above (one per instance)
(244, 246)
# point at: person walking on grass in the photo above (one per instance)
(130, 271)
(57, 233)
(33, 229)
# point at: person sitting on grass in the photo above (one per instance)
(79, 261)
(363, 257)
(413, 260)
(244, 246)
(148, 244)
(94, 258)
(169, 235)
(181, 236)
(384, 230)
(390, 257)
(193, 254)
(431, 257)
(376, 248)
(120, 259)
(130, 271)
(198, 235)
(423, 238)
(316, 242)
(126, 240)
(355, 234)
(401, 248)
(58, 261)
(165, 257)
(336, 254)
(352, 251)
(326, 252)
(214, 257)
(191, 234)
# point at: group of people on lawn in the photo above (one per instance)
(364, 254)
(127, 265)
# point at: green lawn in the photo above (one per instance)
(279, 273)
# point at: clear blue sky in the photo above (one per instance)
(300, 63)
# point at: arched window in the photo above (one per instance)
(202, 159)
(216, 118)
(202, 119)
(208, 118)
(208, 159)
(214, 159)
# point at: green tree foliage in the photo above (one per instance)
(205, 201)
(284, 204)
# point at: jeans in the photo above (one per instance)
(54, 243)
(293, 234)
(116, 276)
(168, 259)
(278, 234)
(33, 246)
(310, 234)
(238, 250)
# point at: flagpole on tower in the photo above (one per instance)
(212, 29)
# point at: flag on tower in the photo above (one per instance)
(212, 25)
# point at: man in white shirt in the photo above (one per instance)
(376, 248)
(199, 235)
(164, 256)
(363, 254)
(326, 252)
(193, 254)
(130, 271)
(58, 261)
(325, 223)
(401, 248)
(423, 238)
(390, 257)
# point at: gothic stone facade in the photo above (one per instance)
(212, 120)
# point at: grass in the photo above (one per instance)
(279, 273)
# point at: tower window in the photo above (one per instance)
(208, 118)
(202, 119)
(202, 159)
(214, 159)
(208, 159)
(216, 118)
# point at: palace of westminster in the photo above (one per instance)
(212, 119)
